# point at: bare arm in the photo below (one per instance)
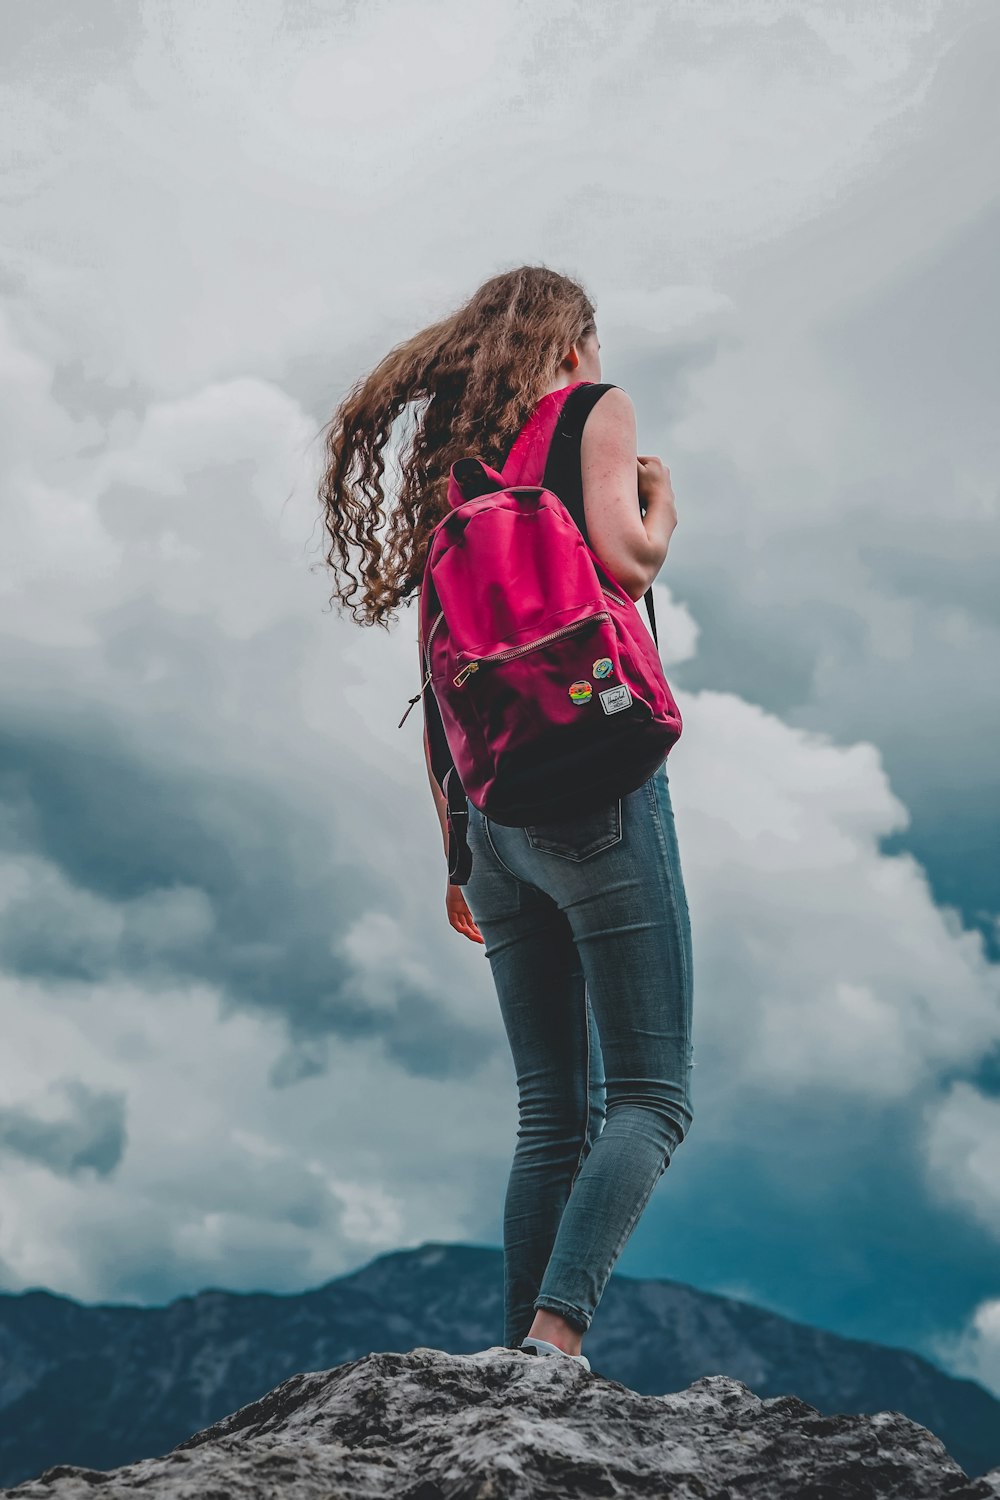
(617, 484)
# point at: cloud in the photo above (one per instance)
(823, 963)
(255, 168)
(222, 1180)
(975, 1351)
(835, 468)
(168, 809)
(221, 881)
(147, 873)
(963, 1151)
(90, 1134)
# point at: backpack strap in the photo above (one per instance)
(445, 773)
(459, 853)
(563, 472)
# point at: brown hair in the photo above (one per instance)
(477, 373)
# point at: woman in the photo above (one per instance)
(584, 921)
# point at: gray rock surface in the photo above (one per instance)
(502, 1425)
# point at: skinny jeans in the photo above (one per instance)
(587, 932)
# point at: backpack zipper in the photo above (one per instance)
(427, 644)
(501, 656)
(473, 666)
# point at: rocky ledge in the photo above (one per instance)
(500, 1425)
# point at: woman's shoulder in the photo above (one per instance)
(610, 414)
(589, 398)
(612, 397)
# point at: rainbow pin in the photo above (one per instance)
(580, 690)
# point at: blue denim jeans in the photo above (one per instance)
(588, 936)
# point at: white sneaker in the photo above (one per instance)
(542, 1346)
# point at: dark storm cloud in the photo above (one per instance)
(91, 1132)
(275, 896)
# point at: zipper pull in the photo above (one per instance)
(415, 699)
(473, 666)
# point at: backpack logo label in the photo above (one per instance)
(615, 698)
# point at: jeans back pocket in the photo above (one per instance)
(581, 836)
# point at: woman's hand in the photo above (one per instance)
(655, 489)
(460, 916)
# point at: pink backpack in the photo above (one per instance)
(543, 691)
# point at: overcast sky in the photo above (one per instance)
(242, 1046)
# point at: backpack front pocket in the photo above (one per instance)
(511, 653)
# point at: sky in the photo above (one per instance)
(243, 1046)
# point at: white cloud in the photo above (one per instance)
(677, 630)
(821, 962)
(975, 1351)
(962, 1150)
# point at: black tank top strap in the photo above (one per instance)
(562, 468)
(563, 472)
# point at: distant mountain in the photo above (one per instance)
(101, 1386)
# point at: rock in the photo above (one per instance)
(500, 1425)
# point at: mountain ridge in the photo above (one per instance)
(106, 1384)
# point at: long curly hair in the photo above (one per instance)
(474, 377)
